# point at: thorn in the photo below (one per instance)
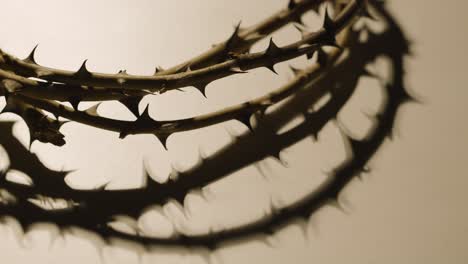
(329, 27)
(182, 68)
(31, 140)
(74, 101)
(102, 187)
(145, 117)
(93, 110)
(60, 123)
(310, 55)
(328, 22)
(83, 71)
(163, 139)
(158, 69)
(334, 202)
(314, 136)
(406, 97)
(31, 56)
(322, 57)
(245, 119)
(201, 87)
(56, 116)
(132, 104)
(272, 49)
(234, 38)
(272, 69)
(123, 134)
(277, 156)
(364, 12)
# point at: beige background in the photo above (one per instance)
(409, 209)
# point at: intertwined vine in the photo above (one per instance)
(338, 59)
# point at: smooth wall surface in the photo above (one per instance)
(411, 207)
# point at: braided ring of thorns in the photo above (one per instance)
(31, 91)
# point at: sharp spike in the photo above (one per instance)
(31, 140)
(328, 22)
(31, 56)
(145, 117)
(277, 156)
(56, 116)
(334, 202)
(329, 27)
(314, 136)
(163, 139)
(74, 101)
(83, 71)
(201, 87)
(272, 49)
(310, 55)
(272, 69)
(234, 38)
(364, 12)
(322, 57)
(102, 187)
(123, 134)
(132, 104)
(60, 123)
(158, 69)
(244, 118)
(182, 68)
(93, 110)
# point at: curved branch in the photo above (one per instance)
(200, 77)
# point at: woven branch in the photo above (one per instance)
(90, 208)
(18, 86)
